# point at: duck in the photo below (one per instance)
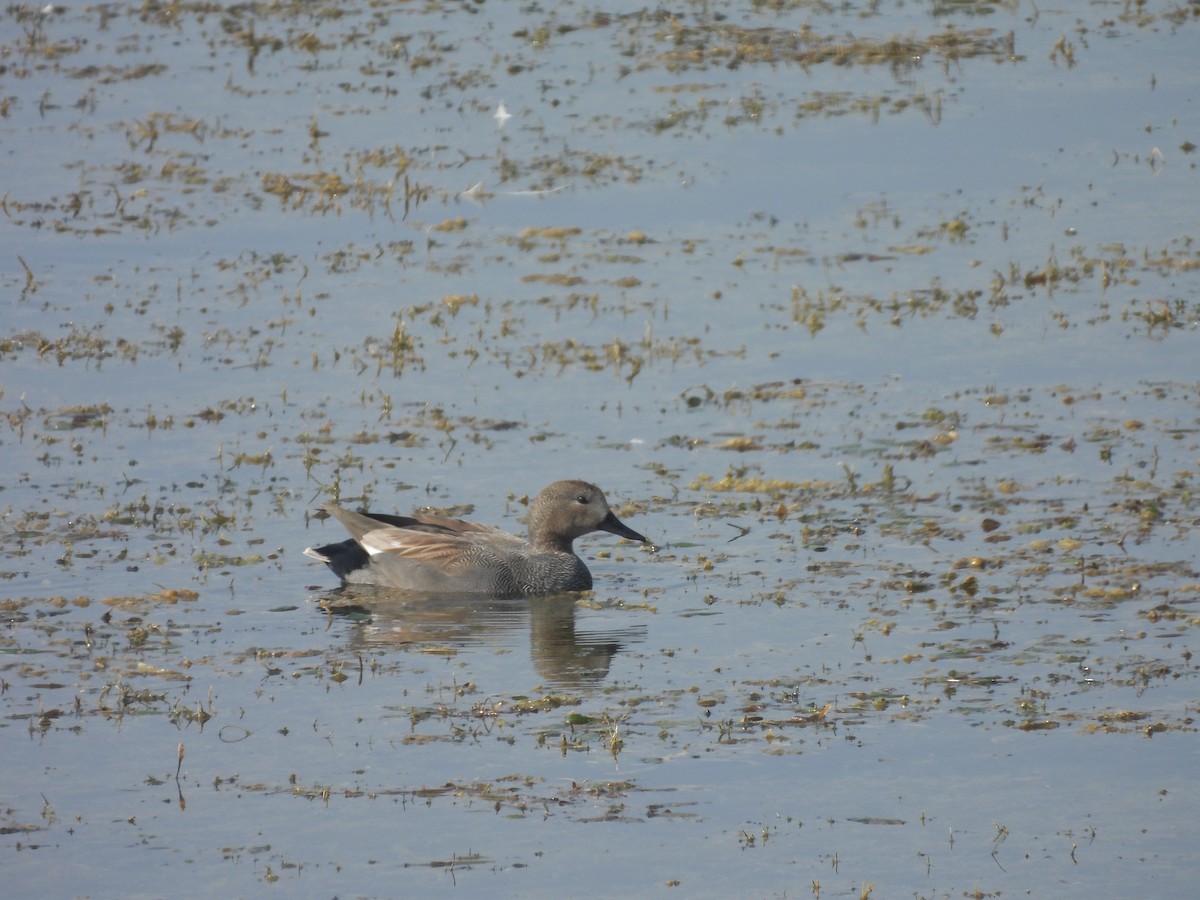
(431, 554)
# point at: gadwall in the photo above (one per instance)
(432, 554)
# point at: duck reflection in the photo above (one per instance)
(561, 653)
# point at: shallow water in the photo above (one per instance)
(880, 320)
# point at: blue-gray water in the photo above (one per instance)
(880, 320)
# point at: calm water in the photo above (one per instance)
(880, 320)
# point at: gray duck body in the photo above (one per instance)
(434, 554)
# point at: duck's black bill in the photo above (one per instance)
(613, 525)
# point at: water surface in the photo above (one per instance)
(879, 319)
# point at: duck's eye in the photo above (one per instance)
(582, 498)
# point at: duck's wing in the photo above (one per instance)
(426, 522)
(431, 540)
